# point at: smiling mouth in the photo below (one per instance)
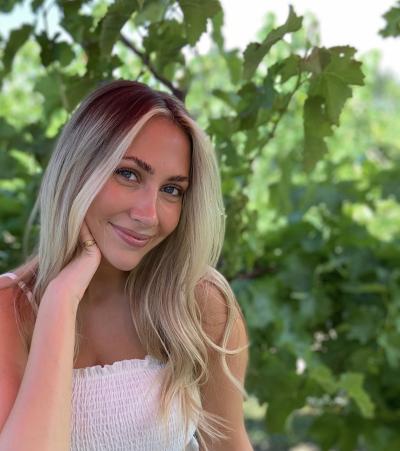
(138, 236)
(129, 239)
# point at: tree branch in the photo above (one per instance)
(181, 94)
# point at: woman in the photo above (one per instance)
(131, 338)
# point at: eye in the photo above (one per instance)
(170, 188)
(126, 170)
(175, 191)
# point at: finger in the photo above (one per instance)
(85, 235)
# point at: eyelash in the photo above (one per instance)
(118, 172)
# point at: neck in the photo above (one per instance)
(106, 287)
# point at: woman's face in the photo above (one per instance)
(144, 195)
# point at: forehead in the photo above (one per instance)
(163, 145)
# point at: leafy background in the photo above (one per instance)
(308, 145)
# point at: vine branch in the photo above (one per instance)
(177, 92)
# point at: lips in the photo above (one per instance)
(136, 235)
(131, 241)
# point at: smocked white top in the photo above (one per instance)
(114, 408)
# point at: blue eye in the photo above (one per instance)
(178, 190)
(120, 171)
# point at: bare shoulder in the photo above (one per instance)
(14, 350)
(6, 283)
(11, 291)
(15, 311)
(216, 301)
(24, 273)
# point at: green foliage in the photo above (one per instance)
(16, 40)
(333, 72)
(8, 5)
(255, 52)
(117, 15)
(309, 165)
(196, 14)
(392, 18)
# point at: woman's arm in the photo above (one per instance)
(40, 417)
(219, 395)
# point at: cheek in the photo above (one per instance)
(105, 201)
(172, 217)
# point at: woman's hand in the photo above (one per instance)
(74, 278)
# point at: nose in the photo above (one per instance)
(144, 208)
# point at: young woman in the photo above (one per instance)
(124, 336)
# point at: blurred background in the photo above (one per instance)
(302, 103)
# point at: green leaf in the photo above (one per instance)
(151, 11)
(164, 43)
(316, 128)
(36, 4)
(257, 300)
(16, 40)
(334, 92)
(7, 131)
(64, 53)
(254, 98)
(76, 88)
(111, 24)
(49, 86)
(362, 323)
(333, 72)
(69, 7)
(7, 6)
(324, 377)
(390, 342)
(344, 66)
(325, 429)
(255, 52)
(286, 68)
(353, 384)
(278, 412)
(229, 97)
(217, 23)
(78, 26)
(223, 126)
(382, 437)
(196, 13)
(234, 63)
(46, 49)
(51, 51)
(349, 433)
(9, 206)
(392, 18)
(8, 167)
(332, 84)
(316, 62)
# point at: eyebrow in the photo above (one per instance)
(147, 168)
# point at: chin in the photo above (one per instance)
(122, 265)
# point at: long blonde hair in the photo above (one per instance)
(166, 312)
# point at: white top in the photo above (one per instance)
(114, 408)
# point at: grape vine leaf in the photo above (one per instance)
(392, 18)
(16, 40)
(255, 51)
(117, 15)
(196, 13)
